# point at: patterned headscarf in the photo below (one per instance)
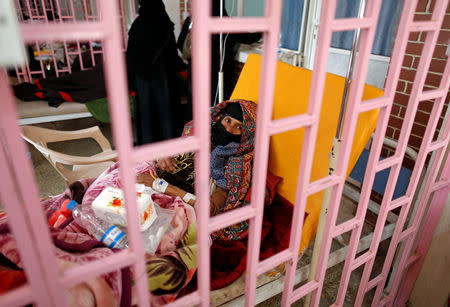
(238, 167)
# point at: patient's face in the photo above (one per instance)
(232, 125)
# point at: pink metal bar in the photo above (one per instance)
(436, 145)
(414, 227)
(73, 276)
(17, 297)
(201, 87)
(364, 258)
(291, 123)
(346, 24)
(403, 200)
(191, 299)
(388, 162)
(377, 103)
(355, 97)
(324, 183)
(230, 218)
(273, 12)
(309, 141)
(63, 31)
(425, 237)
(166, 148)
(375, 282)
(423, 26)
(430, 40)
(442, 184)
(432, 94)
(236, 24)
(20, 10)
(274, 260)
(390, 88)
(345, 226)
(303, 290)
(116, 85)
(27, 221)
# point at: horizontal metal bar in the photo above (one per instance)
(387, 163)
(291, 123)
(411, 260)
(192, 299)
(98, 267)
(303, 290)
(376, 103)
(276, 286)
(346, 226)
(374, 282)
(401, 201)
(354, 195)
(441, 184)
(432, 94)
(437, 145)
(63, 31)
(362, 259)
(232, 217)
(237, 24)
(406, 233)
(347, 24)
(386, 300)
(323, 183)
(21, 296)
(421, 26)
(273, 261)
(168, 148)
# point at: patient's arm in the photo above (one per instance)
(217, 201)
(171, 189)
(167, 164)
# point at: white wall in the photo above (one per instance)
(173, 9)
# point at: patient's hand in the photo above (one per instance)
(145, 179)
(167, 164)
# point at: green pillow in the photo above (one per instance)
(100, 110)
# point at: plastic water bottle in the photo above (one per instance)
(63, 214)
(107, 233)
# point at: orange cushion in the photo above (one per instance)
(292, 87)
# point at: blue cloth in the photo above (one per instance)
(218, 159)
(386, 29)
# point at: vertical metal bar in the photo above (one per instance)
(27, 220)
(309, 143)
(201, 87)
(390, 87)
(264, 114)
(116, 86)
(334, 155)
(400, 150)
(437, 204)
(367, 38)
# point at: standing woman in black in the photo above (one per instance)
(152, 62)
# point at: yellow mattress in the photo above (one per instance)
(292, 87)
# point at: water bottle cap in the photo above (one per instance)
(72, 204)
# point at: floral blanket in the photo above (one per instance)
(168, 271)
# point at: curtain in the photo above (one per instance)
(291, 23)
(386, 29)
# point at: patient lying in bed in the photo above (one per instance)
(232, 138)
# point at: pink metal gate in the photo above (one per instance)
(20, 198)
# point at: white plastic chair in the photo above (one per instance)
(79, 166)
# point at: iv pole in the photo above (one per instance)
(220, 77)
(334, 154)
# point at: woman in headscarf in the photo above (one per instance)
(232, 138)
(152, 62)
